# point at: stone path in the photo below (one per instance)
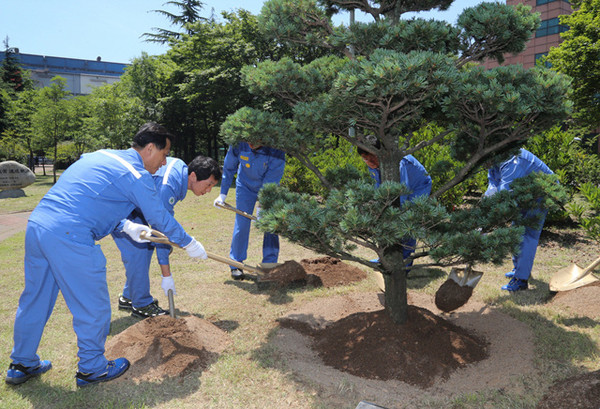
(12, 223)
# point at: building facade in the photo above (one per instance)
(81, 75)
(547, 35)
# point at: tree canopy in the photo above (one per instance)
(387, 80)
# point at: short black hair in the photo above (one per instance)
(369, 140)
(204, 167)
(151, 132)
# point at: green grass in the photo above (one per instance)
(250, 373)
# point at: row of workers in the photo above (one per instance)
(122, 192)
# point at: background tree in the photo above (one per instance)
(401, 76)
(579, 57)
(190, 13)
(52, 118)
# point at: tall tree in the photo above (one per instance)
(579, 57)
(400, 76)
(53, 115)
(190, 13)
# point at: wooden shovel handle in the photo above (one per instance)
(591, 267)
(159, 237)
(227, 206)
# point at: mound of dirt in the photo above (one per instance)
(578, 392)
(348, 340)
(323, 271)
(163, 346)
(370, 345)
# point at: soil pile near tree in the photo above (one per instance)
(161, 347)
(451, 296)
(578, 392)
(318, 272)
(348, 341)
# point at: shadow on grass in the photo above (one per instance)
(419, 278)
(120, 393)
(278, 295)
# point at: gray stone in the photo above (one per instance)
(13, 175)
(12, 193)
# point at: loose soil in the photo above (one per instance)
(318, 272)
(578, 392)
(451, 296)
(162, 347)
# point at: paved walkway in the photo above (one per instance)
(12, 223)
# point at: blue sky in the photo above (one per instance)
(111, 29)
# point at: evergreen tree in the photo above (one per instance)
(386, 80)
(190, 13)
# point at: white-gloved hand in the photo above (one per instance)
(168, 284)
(195, 249)
(258, 210)
(135, 229)
(219, 200)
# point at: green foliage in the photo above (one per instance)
(587, 213)
(339, 163)
(567, 154)
(578, 56)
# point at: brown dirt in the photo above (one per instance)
(578, 392)
(438, 356)
(451, 296)
(582, 301)
(318, 272)
(163, 346)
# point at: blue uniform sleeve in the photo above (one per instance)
(230, 167)
(275, 171)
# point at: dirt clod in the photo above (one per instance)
(578, 392)
(451, 296)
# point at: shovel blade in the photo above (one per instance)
(465, 276)
(570, 278)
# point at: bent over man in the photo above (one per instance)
(172, 182)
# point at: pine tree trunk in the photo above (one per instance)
(396, 301)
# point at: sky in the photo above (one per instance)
(111, 29)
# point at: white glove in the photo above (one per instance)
(258, 209)
(168, 284)
(195, 249)
(219, 200)
(135, 229)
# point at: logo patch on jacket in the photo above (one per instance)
(171, 200)
(244, 157)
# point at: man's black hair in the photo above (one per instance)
(204, 167)
(151, 132)
(370, 140)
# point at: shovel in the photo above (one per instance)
(171, 304)
(573, 277)
(238, 211)
(158, 237)
(465, 276)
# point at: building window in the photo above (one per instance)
(540, 56)
(542, 2)
(549, 27)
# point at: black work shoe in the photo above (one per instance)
(150, 310)
(237, 274)
(125, 303)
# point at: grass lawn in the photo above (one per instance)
(250, 374)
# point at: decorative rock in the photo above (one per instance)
(13, 175)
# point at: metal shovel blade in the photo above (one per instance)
(465, 276)
(573, 277)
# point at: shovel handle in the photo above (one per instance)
(159, 237)
(234, 263)
(171, 304)
(591, 267)
(227, 206)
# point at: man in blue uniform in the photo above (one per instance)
(255, 166)
(412, 174)
(172, 181)
(500, 177)
(90, 199)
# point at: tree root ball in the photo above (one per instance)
(451, 296)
